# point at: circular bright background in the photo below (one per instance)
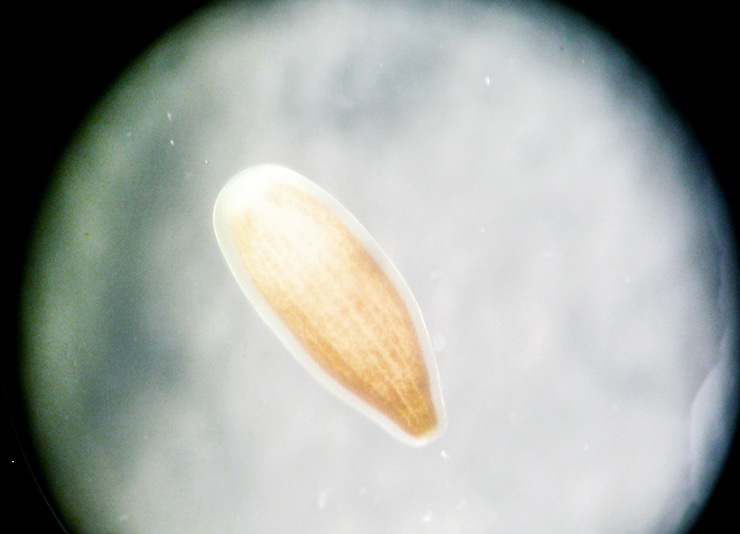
(558, 226)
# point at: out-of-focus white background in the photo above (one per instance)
(558, 227)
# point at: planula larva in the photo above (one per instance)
(332, 296)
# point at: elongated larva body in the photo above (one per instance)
(328, 291)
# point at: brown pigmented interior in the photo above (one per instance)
(337, 302)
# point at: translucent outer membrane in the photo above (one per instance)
(328, 291)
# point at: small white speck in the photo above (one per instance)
(482, 230)
(427, 517)
(586, 446)
(172, 142)
(487, 81)
(444, 454)
(323, 498)
(435, 275)
(169, 116)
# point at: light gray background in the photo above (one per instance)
(559, 230)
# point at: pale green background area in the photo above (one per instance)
(557, 226)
